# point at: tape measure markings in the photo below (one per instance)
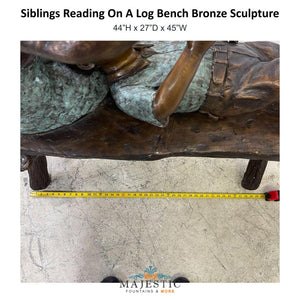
(63, 194)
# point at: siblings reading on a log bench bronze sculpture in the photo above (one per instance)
(227, 94)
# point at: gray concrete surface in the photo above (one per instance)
(84, 240)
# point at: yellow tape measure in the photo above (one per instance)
(145, 195)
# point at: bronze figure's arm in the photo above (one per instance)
(119, 59)
(173, 88)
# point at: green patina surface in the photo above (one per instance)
(134, 95)
(53, 95)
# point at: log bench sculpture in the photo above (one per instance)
(147, 101)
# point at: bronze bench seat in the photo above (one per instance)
(111, 134)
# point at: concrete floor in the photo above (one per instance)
(84, 240)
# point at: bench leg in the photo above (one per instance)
(39, 177)
(254, 173)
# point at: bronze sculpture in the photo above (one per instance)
(245, 79)
(121, 59)
(243, 96)
(118, 59)
(172, 90)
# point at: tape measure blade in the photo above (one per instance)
(74, 194)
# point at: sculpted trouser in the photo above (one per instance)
(232, 79)
(245, 78)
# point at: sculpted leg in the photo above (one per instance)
(37, 169)
(245, 80)
(254, 173)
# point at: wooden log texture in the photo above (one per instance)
(254, 173)
(109, 133)
(38, 174)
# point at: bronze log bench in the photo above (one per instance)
(253, 137)
(147, 101)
